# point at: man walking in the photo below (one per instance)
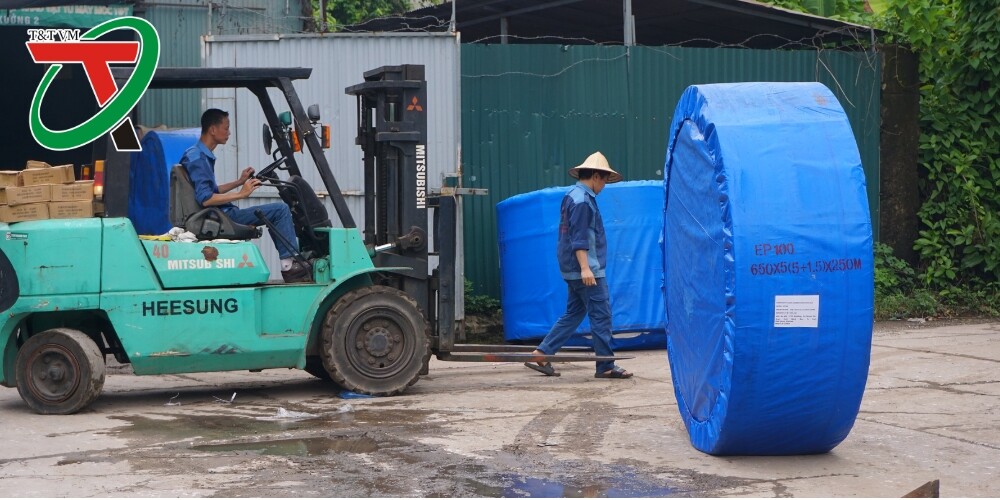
(582, 254)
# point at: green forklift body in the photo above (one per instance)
(129, 268)
(212, 329)
(55, 257)
(212, 311)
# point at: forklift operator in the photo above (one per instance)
(199, 161)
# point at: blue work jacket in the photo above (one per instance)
(581, 228)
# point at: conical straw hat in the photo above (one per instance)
(596, 161)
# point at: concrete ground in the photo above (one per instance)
(931, 411)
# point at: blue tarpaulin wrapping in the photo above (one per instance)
(149, 178)
(533, 293)
(769, 268)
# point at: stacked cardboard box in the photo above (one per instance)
(41, 191)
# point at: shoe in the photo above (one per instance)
(616, 372)
(547, 369)
(298, 273)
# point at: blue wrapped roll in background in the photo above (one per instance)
(533, 293)
(149, 177)
(768, 268)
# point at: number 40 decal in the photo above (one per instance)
(161, 251)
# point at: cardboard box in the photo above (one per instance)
(3, 196)
(37, 164)
(8, 177)
(78, 191)
(71, 209)
(23, 195)
(20, 213)
(62, 174)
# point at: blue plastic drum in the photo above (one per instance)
(768, 268)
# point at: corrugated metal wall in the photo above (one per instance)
(530, 112)
(181, 24)
(338, 61)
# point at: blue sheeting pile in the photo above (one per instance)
(533, 293)
(769, 268)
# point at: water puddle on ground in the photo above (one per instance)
(297, 447)
(207, 428)
(222, 427)
(614, 487)
(251, 435)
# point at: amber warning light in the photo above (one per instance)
(99, 179)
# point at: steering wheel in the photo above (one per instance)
(266, 171)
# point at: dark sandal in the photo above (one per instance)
(547, 369)
(616, 372)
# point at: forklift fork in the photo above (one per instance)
(516, 353)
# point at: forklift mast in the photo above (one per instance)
(392, 133)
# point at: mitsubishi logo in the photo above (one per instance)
(414, 105)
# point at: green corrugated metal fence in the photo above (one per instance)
(181, 24)
(530, 112)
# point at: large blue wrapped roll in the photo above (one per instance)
(533, 293)
(769, 268)
(149, 177)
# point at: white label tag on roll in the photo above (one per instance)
(796, 311)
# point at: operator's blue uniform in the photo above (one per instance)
(582, 228)
(199, 162)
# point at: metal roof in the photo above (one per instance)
(691, 23)
(198, 78)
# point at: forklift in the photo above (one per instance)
(73, 291)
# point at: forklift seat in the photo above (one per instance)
(205, 223)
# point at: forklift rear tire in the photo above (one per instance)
(375, 341)
(59, 371)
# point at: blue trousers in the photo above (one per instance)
(279, 215)
(584, 300)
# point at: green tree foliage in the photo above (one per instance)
(846, 10)
(959, 46)
(481, 305)
(958, 42)
(347, 12)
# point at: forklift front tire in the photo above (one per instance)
(375, 341)
(59, 371)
